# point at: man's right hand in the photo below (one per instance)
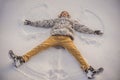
(98, 32)
(27, 22)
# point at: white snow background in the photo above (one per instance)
(58, 64)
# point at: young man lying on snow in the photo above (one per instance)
(62, 34)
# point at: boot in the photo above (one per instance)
(91, 72)
(18, 60)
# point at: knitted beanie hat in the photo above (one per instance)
(64, 14)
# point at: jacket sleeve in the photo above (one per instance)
(82, 28)
(44, 23)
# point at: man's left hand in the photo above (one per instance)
(98, 32)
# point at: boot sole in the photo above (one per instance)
(11, 54)
(100, 70)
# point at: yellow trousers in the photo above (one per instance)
(63, 41)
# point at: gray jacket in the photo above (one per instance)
(62, 26)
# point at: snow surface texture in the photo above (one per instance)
(58, 64)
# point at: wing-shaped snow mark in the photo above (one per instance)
(36, 12)
(98, 18)
(89, 39)
(34, 34)
(96, 22)
(25, 74)
(54, 74)
(31, 74)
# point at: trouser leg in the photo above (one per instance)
(46, 44)
(69, 45)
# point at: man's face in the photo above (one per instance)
(64, 14)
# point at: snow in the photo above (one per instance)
(58, 64)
